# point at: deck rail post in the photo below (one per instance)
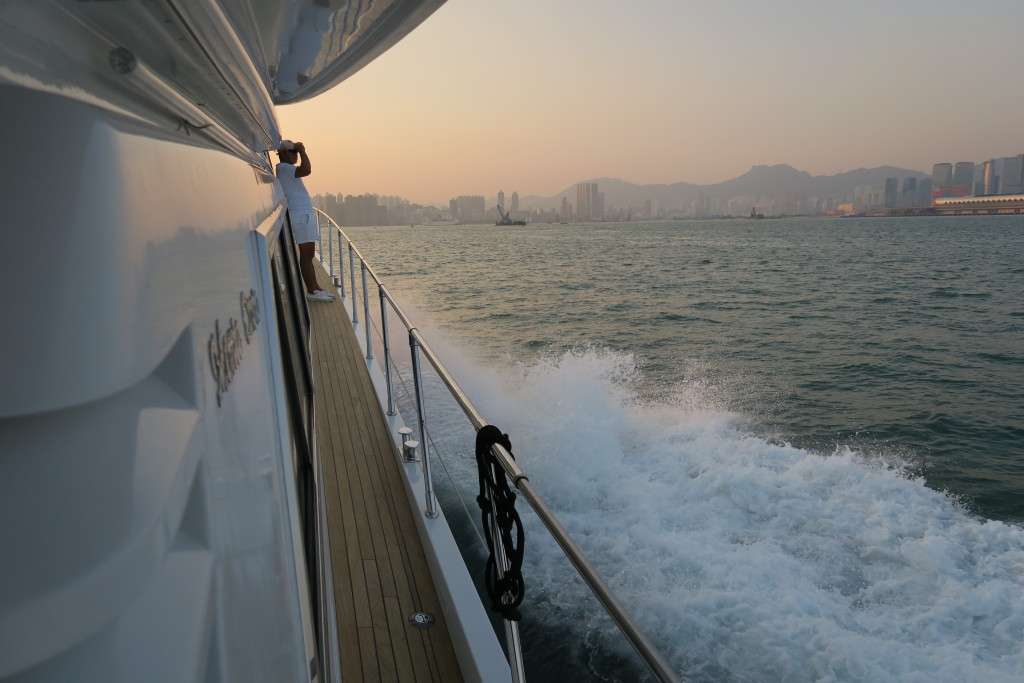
(319, 239)
(428, 486)
(513, 641)
(366, 310)
(352, 274)
(387, 348)
(330, 247)
(332, 227)
(340, 280)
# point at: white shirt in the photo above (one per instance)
(294, 189)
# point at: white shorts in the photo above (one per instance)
(304, 227)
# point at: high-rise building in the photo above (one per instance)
(501, 199)
(963, 176)
(1012, 177)
(924, 193)
(361, 210)
(468, 208)
(942, 175)
(950, 182)
(566, 212)
(988, 177)
(514, 207)
(330, 204)
(582, 201)
(908, 196)
(586, 201)
(892, 186)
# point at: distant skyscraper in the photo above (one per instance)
(892, 186)
(1012, 177)
(515, 204)
(924, 193)
(963, 175)
(942, 175)
(950, 182)
(468, 208)
(361, 210)
(988, 177)
(908, 197)
(586, 201)
(566, 211)
(582, 201)
(501, 200)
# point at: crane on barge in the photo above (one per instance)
(504, 218)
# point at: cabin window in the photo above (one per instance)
(293, 324)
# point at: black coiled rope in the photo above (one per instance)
(505, 589)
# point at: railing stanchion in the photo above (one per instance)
(339, 279)
(341, 263)
(319, 240)
(352, 274)
(514, 649)
(330, 247)
(428, 486)
(387, 347)
(366, 311)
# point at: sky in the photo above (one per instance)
(534, 96)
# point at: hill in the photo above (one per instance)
(759, 181)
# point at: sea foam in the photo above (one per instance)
(743, 559)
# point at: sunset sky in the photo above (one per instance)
(535, 95)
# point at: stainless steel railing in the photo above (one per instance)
(654, 660)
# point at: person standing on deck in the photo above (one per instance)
(300, 211)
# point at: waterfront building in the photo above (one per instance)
(330, 204)
(501, 199)
(988, 178)
(587, 201)
(361, 210)
(942, 175)
(924, 193)
(514, 206)
(950, 182)
(1012, 177)
(583, 201)
(468, 209)
(908, 195)
(891, 191)
(980, 206)
(963, 175)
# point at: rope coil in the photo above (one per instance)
(505, 589)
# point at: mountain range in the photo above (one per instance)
(759, 181)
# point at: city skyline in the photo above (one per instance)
(777, 190)
(544, 95)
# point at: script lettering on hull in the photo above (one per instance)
(226, 349)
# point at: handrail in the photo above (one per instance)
(639, 640)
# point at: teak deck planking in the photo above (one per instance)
(380, 573)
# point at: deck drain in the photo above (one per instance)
(422, 619)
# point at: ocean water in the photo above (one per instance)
(794, 448)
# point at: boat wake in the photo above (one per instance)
(744, 560)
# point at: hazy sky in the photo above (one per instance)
(535, 95)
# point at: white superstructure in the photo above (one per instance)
(151, 520)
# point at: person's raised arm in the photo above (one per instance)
(304, 168)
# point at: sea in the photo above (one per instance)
(794, 448)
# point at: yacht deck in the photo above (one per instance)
(380, 572)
